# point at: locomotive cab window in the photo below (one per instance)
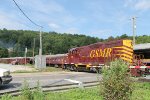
(74, 52)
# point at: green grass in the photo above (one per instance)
(47, 69)
(76, 94)
(141, 92)
(29, 65)
(52, 69)
(25, 71)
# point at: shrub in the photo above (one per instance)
(38, 93)
(26, 94)
(116, 83)
(34, 94)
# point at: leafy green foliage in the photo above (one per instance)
(38, 93)
(25, 91)
(35, 94)
(116, 83)
(53, 43)
(3, 53)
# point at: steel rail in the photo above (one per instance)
(53, 88)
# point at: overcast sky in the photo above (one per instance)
(98, 18)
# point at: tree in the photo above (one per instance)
(124, 36)
(3, 53)
(110, 38)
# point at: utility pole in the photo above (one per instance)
(134, 28)
(26, 55)
(33, 49)
(40, 50)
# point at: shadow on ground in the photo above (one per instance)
(10, 86)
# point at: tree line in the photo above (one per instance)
(14, 42)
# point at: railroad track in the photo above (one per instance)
(54, 88)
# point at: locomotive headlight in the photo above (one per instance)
(7, 73)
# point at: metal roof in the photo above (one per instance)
(142, 46)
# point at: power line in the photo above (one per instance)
(40, 50)
(26, 15)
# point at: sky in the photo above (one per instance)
(96, 18)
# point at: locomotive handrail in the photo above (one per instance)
(138, 60)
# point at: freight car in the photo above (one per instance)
(93, 57)
(59, 60)
(16, 60)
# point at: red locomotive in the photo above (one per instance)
(94, 56)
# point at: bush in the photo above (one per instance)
(38, 93)
(32, 94)
(116, 83)
(26, 94)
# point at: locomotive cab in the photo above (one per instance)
(73, 56)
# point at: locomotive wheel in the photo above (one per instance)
(56, 66)
(63, 66)
(76, 69)
(68, 67)
(0, 82)
(71, 68)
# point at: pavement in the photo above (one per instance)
(49, 79)
(147, 77)
(144, 78)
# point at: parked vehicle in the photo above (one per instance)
(5, 76)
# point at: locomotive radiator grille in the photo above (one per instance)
(124, 52)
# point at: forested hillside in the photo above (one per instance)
(53, 43)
